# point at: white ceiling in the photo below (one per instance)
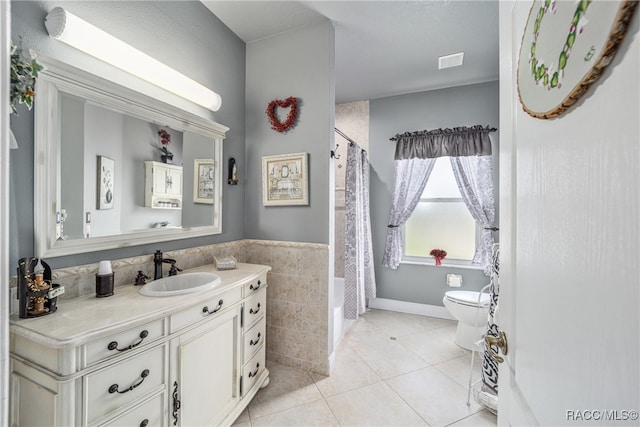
(383, 48)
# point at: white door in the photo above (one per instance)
(569, 219)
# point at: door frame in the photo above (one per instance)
(5, 38)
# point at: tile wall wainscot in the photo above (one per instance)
(297, 296)
(297, 301)
(81, 280)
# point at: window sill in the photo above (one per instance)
(465, 265)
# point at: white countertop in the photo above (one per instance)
(86, 318)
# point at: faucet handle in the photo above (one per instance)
(141, 278)
(174, 270)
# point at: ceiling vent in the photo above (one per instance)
(448, 61)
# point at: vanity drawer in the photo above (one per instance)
(123, 342)
(209, 308)
(148, 414)
(254, 308)
(255, 285)
(254, 338)
(252, 370)
(109, 389)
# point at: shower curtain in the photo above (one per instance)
(359, 276)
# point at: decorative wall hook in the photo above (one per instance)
(333, 152)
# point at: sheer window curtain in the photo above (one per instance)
(411, 176)
(470, 152)
(474, 175)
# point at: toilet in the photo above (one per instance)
(463, 306)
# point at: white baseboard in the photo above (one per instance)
(410, 307)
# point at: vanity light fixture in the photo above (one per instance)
(70, 29)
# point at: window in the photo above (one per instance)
(441, 219)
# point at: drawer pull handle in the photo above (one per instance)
(144, 423)
(114, 388)
(176, 403)
(205, 309)
(251, 311)
(113, 345)
(256, 287)
(254, 373)
(252, 342)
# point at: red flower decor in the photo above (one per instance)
(438, 254)
(274, 121)
(165, 140)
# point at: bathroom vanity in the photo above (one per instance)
(185, 360)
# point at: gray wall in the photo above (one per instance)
(104, 136)
(459, 106)
(181, 34)
(72, 155)
(297, 63)
(141, 143)
(195, 147)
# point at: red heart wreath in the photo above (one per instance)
(275, 122)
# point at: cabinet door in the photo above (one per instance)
(174, 182)
(206, 370)
(160, 176)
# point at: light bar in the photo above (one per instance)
(70, 29)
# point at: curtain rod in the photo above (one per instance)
(339, 132)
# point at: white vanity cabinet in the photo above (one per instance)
(163, 185)
(186, 360)
(90, 395)
(254, 336)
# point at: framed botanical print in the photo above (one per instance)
(285, 180)
(106, 177)
(204, 181)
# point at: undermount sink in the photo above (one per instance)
(180, 284)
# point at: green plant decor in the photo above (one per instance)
(23, 78)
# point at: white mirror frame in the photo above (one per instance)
(59, 77)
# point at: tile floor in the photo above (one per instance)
(392, 369)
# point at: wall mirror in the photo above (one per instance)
(100, 182)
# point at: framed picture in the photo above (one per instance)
(204, 180)
(565, 48)
(285, 180)
(106, 177)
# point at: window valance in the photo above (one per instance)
(456, 142)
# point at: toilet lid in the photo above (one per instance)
(467, 297)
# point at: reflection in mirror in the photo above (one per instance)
(104, 182)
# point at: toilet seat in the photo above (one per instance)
(469, 298)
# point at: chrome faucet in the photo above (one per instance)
(158, 260)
